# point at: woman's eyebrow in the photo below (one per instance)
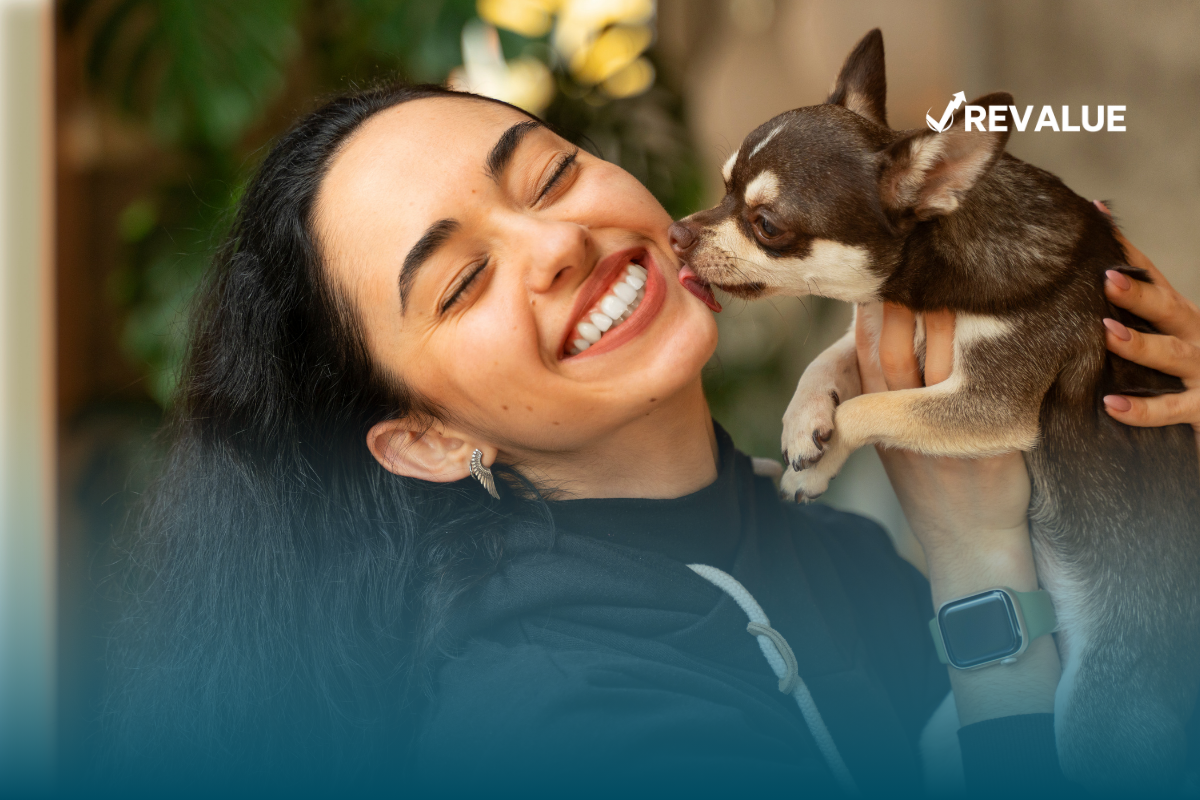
(436, 234)
(502, 151)
(433, 238)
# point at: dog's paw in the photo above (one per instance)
(803, 486)
(807, 428)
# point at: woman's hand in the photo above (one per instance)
(950, 503)
(969, 515)
(1175, 351)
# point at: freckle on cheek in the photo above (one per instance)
(556, 423)
(504, 407)
(653, 399)
(529, 408)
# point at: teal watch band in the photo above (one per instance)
(1036, 608)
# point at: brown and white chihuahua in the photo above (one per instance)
(828, 200)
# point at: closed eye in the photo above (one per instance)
(565, 162)
(462, 286)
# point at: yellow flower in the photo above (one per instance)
(581, 21)
(524, 82)
(530, 18)
(613, 51)
(631, 81)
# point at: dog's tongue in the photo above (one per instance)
(694, 284)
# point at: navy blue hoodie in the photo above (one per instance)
(595, 661)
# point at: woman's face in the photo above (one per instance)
(474, 242)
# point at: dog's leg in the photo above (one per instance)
(831, 379)
(952, 418)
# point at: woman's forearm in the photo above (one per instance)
(972, 563)
(970, 516)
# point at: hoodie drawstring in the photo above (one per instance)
(783, 662)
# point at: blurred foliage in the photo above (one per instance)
(212, 80)
(762, 350)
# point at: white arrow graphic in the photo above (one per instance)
(948, 116)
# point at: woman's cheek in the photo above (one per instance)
(614, 198)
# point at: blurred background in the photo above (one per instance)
(129, 127)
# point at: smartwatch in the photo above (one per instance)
(992, 626)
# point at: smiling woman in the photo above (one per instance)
(534, 308)
(420, 285)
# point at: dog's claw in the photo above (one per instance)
(819, 438)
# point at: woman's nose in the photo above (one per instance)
(682, 237)
(559, 248)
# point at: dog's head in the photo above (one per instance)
(820, 199)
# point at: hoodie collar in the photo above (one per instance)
(702, 527)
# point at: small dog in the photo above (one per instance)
(829, 200)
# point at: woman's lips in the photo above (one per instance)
(698, 286)
(641, 317)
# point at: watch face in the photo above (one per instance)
(981, 629)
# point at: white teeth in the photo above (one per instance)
(615, 307)
(612, 306)
(624, 291)
(588, 331)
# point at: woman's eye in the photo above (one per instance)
(765, 228)
(561, 166)
(462, 287)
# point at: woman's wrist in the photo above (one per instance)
(973, 562)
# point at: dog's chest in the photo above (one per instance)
(970, 330)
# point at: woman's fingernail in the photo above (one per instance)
(1117, 329)
(1100, 205)
(1119, 280)
(1117, 403)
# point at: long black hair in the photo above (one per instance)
(288, 595)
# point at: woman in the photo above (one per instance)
(326, 587)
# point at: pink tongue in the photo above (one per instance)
(692, 282)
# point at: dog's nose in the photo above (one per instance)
(683, 239)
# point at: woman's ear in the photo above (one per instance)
(429, 453)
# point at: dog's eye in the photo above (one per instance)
(764, 228)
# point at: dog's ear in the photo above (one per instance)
(929, 172)
(862, 84)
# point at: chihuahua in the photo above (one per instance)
(828, 200)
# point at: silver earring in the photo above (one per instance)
(482, 474)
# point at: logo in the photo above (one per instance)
(948, 117)
(989, 118)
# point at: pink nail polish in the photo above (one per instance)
(1118, 279)
(1117, 403)
(1117, 329)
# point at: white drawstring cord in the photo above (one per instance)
(783, 663)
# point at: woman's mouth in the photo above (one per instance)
(617, 305)
(621, 299)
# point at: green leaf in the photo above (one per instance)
(201, 72)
